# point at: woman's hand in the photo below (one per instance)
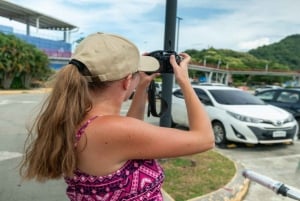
(137, 107)
(146, 79)
(181, 70)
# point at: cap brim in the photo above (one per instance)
(148, 64)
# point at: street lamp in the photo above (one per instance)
(178, 27)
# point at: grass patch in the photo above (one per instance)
(192, 176)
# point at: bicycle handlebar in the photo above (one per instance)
(275, 186)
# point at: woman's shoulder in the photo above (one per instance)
(116, 121)
(114, 125)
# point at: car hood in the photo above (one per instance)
(258, 111)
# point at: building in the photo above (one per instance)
(58, 51)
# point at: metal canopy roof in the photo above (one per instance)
(31, 17)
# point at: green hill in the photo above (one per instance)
(229, 59)
(281, 56)
(286, 51)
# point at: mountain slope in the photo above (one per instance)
(286, 51)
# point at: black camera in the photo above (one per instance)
(164, 60)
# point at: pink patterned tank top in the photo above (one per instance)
(135, 180)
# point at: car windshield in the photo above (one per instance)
(235, 97)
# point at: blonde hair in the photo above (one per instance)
(49, 148)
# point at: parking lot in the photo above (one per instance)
(280, 162)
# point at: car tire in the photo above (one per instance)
(220, 134)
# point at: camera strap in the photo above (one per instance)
(152, 102)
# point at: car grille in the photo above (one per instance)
(276, 123)
(267, 134)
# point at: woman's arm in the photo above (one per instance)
(137, 107)
(142, 140)
(194, 107)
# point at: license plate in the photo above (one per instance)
(279, 134)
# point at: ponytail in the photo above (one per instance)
(51, 154)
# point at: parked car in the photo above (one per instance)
(238, 116)
(158, 88)
(288, 99)
(266, 87)
(211, 84)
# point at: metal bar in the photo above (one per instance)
(169, 44)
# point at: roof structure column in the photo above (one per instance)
(66, 35)
(37, 24)
(27, 26)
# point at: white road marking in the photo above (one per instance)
(6, 102)
(4, 155)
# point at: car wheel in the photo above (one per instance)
(220, 133)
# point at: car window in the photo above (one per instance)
(200, 93)
(288, 97)
(235, 97)
(178, 93)
(203, 96)
(266, 95)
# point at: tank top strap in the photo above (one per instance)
(80, 132)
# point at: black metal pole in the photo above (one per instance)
(169, 44)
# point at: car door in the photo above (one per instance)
(207, 102)
(178, 110)
(289, 100)
(204, 98)
(286, 99)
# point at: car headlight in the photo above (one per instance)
(290, 118)
(245, 118)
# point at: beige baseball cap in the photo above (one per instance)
(110, 57)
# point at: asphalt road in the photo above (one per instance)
(280, 162)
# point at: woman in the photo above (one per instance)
(81, 136)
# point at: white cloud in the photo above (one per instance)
(253, 44)
(249, 24)
(230, 24)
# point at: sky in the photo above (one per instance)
(238, 25)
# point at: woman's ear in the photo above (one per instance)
(127, 82)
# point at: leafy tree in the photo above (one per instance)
(20, 59)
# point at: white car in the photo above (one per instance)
(238, 116)
(158, 88)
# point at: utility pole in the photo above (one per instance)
(169, 44)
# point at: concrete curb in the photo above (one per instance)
(166, 196)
